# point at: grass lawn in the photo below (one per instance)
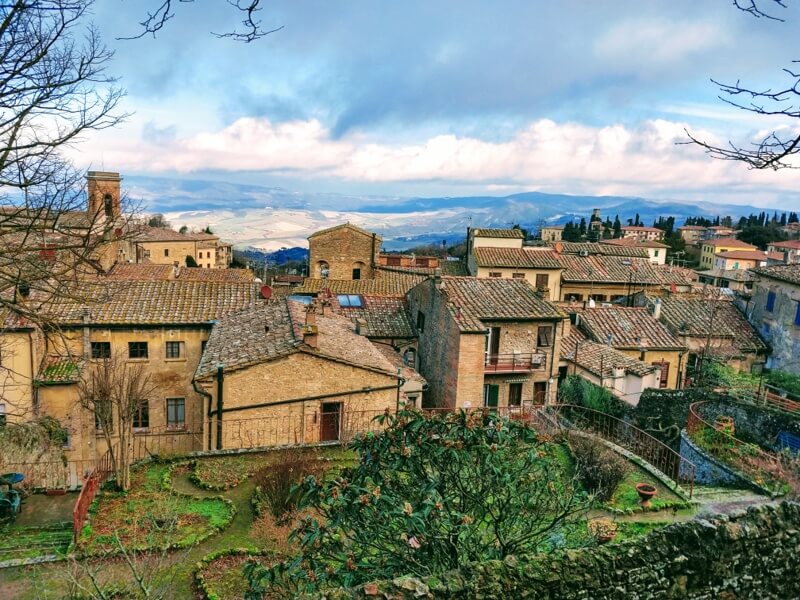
(30, 542)
(626, 498)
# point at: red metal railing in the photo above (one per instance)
(514, 363)
(761, 467)
(91, 485)
(633, 439)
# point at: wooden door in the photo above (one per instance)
(330, 421)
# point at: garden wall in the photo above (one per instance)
(747, 555)
(710, 471)
(755, 424)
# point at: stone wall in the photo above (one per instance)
(754, 424)
(710, 471)
(750, 554)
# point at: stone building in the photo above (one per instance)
(287, 373)
(538, 266)
(637, 333)
(344, 252)
(789, 251)
(165, 246)
(622, 375)
(712, 327)
(656, 251)
(485, 342)
(774, 310)
(551, 233)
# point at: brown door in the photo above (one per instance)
(494, 345)
(539, 392)
(515, 394)
(329, 424)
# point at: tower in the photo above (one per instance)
(103, 190)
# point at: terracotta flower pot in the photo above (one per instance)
(55, 492)
(646, 493)
(725, 424)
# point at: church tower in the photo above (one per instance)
(103, 189)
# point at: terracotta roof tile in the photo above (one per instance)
(472, 301)
(383, 316)
(617, 269)
(787, 273)
(729, 243)
(517, 258)
(154, 302)
(597, 248)
(600, 358)
(499, 233)
(59, 369)
(789, 245)
(349, 226)
(386, 283)
(628, 328)
(742, 254)
(692, 316)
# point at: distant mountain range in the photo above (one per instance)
(274, 218)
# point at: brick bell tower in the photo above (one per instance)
(103, 190)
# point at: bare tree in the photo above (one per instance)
(115, 390)
(53, 89)
(776, 149)
(251, 30)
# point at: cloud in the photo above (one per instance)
(647, 158)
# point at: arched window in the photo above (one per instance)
(323, 270)
(410, 358)
(108, 206)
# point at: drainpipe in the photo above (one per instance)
(220, 377)
(206, 395)
(680, 374)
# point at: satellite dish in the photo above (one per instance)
(266, 292)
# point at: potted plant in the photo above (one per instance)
(724, 424)
(646, 492)
(602, 529)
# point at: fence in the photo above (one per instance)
(101, 473)
(759, 466)
(633, 439)
(766, 398)
(51, 475)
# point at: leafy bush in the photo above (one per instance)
(578, 391)
(429, 495)
(599, 469)
(785, 381)
(274, 482)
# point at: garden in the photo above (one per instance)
(427, 496)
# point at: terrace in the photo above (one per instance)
(517, 362)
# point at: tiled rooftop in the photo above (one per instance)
(634, 243)
(151, 272)
(155, 302)
(600, 359)
(617, 269)
(517, 258)
(456, 268)
(729, 243)
(386, 283)
(499, 233)
(162, 234)
(274, 329)
(475, 300)
(406, 372)
(788, 245)
(742, 255)
(787, 273)
(597, 248)
(628, 328)
(384, 316)
(692, 316)
(59, 369)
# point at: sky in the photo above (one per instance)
(449, 97)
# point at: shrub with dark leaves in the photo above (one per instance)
(599, 469)
(274, 482)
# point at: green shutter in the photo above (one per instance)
(491, 394)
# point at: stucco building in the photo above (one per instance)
(775, 311)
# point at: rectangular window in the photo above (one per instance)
(203, 346)
(176, 416)
(166, 251)
(141, 418)
(101, 349)
(174, 349)
(495, 274)
(356, 273)
(518, 275)
(491, 392)
(797, 315)
(137, 349)
(542, 281)
(515, 394)
(545, 336)
(2, 414)
(420, 321)
(770, 301)
(655, 254)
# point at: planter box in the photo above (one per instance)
(56, 492)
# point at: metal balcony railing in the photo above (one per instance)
(514, 363)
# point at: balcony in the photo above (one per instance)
(514, 363)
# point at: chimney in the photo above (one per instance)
(558, 247)
(657, 309)
(361, 327)
(437, 276)
(310, 330)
